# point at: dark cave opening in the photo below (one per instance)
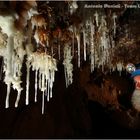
(69, 114)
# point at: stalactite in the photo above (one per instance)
(73, 6)
(18, 61)
(96, 18)
(114, 23)
(78, 45)
(28, 65)
(97, 42)
(27, 82)
(17, 99)
(106, 43)
(36, 84)
(73, 38)
(92, 46)
(13, 57)
(59, 52)
(52, 51)
(48, 90)
(43, 102)
(68, 67)
(8, 74)
(119, 67)
(84, 43)
(1, 69)
(46, 66)
(7, 95)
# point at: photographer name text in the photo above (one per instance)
(111, 6)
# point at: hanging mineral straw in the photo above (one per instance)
(28, 65)
(92, 45)
(84, 43)
(17, 64)
(96, 18)
(27, 82)
(68, 66)
(45, 67)
(7, 25)
(36, 84)
(73, 39)
(119, 67)
(114, 23)
(78, 43)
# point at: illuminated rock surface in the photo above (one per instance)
(91, 89)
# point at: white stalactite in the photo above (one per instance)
(43, 96)
(106, 42)
(96, 18)
(73, 7)
(119, 67)
(92, 46)
(27, 83)
(114, 23)
(18, 98)
(68, 66)
(7, 95)
(73, 39)
(8, 73)
(84, 43)
(46, 67)
(13, 57)
(36, 84)
(78, 43)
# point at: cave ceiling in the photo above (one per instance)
(58, 20)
